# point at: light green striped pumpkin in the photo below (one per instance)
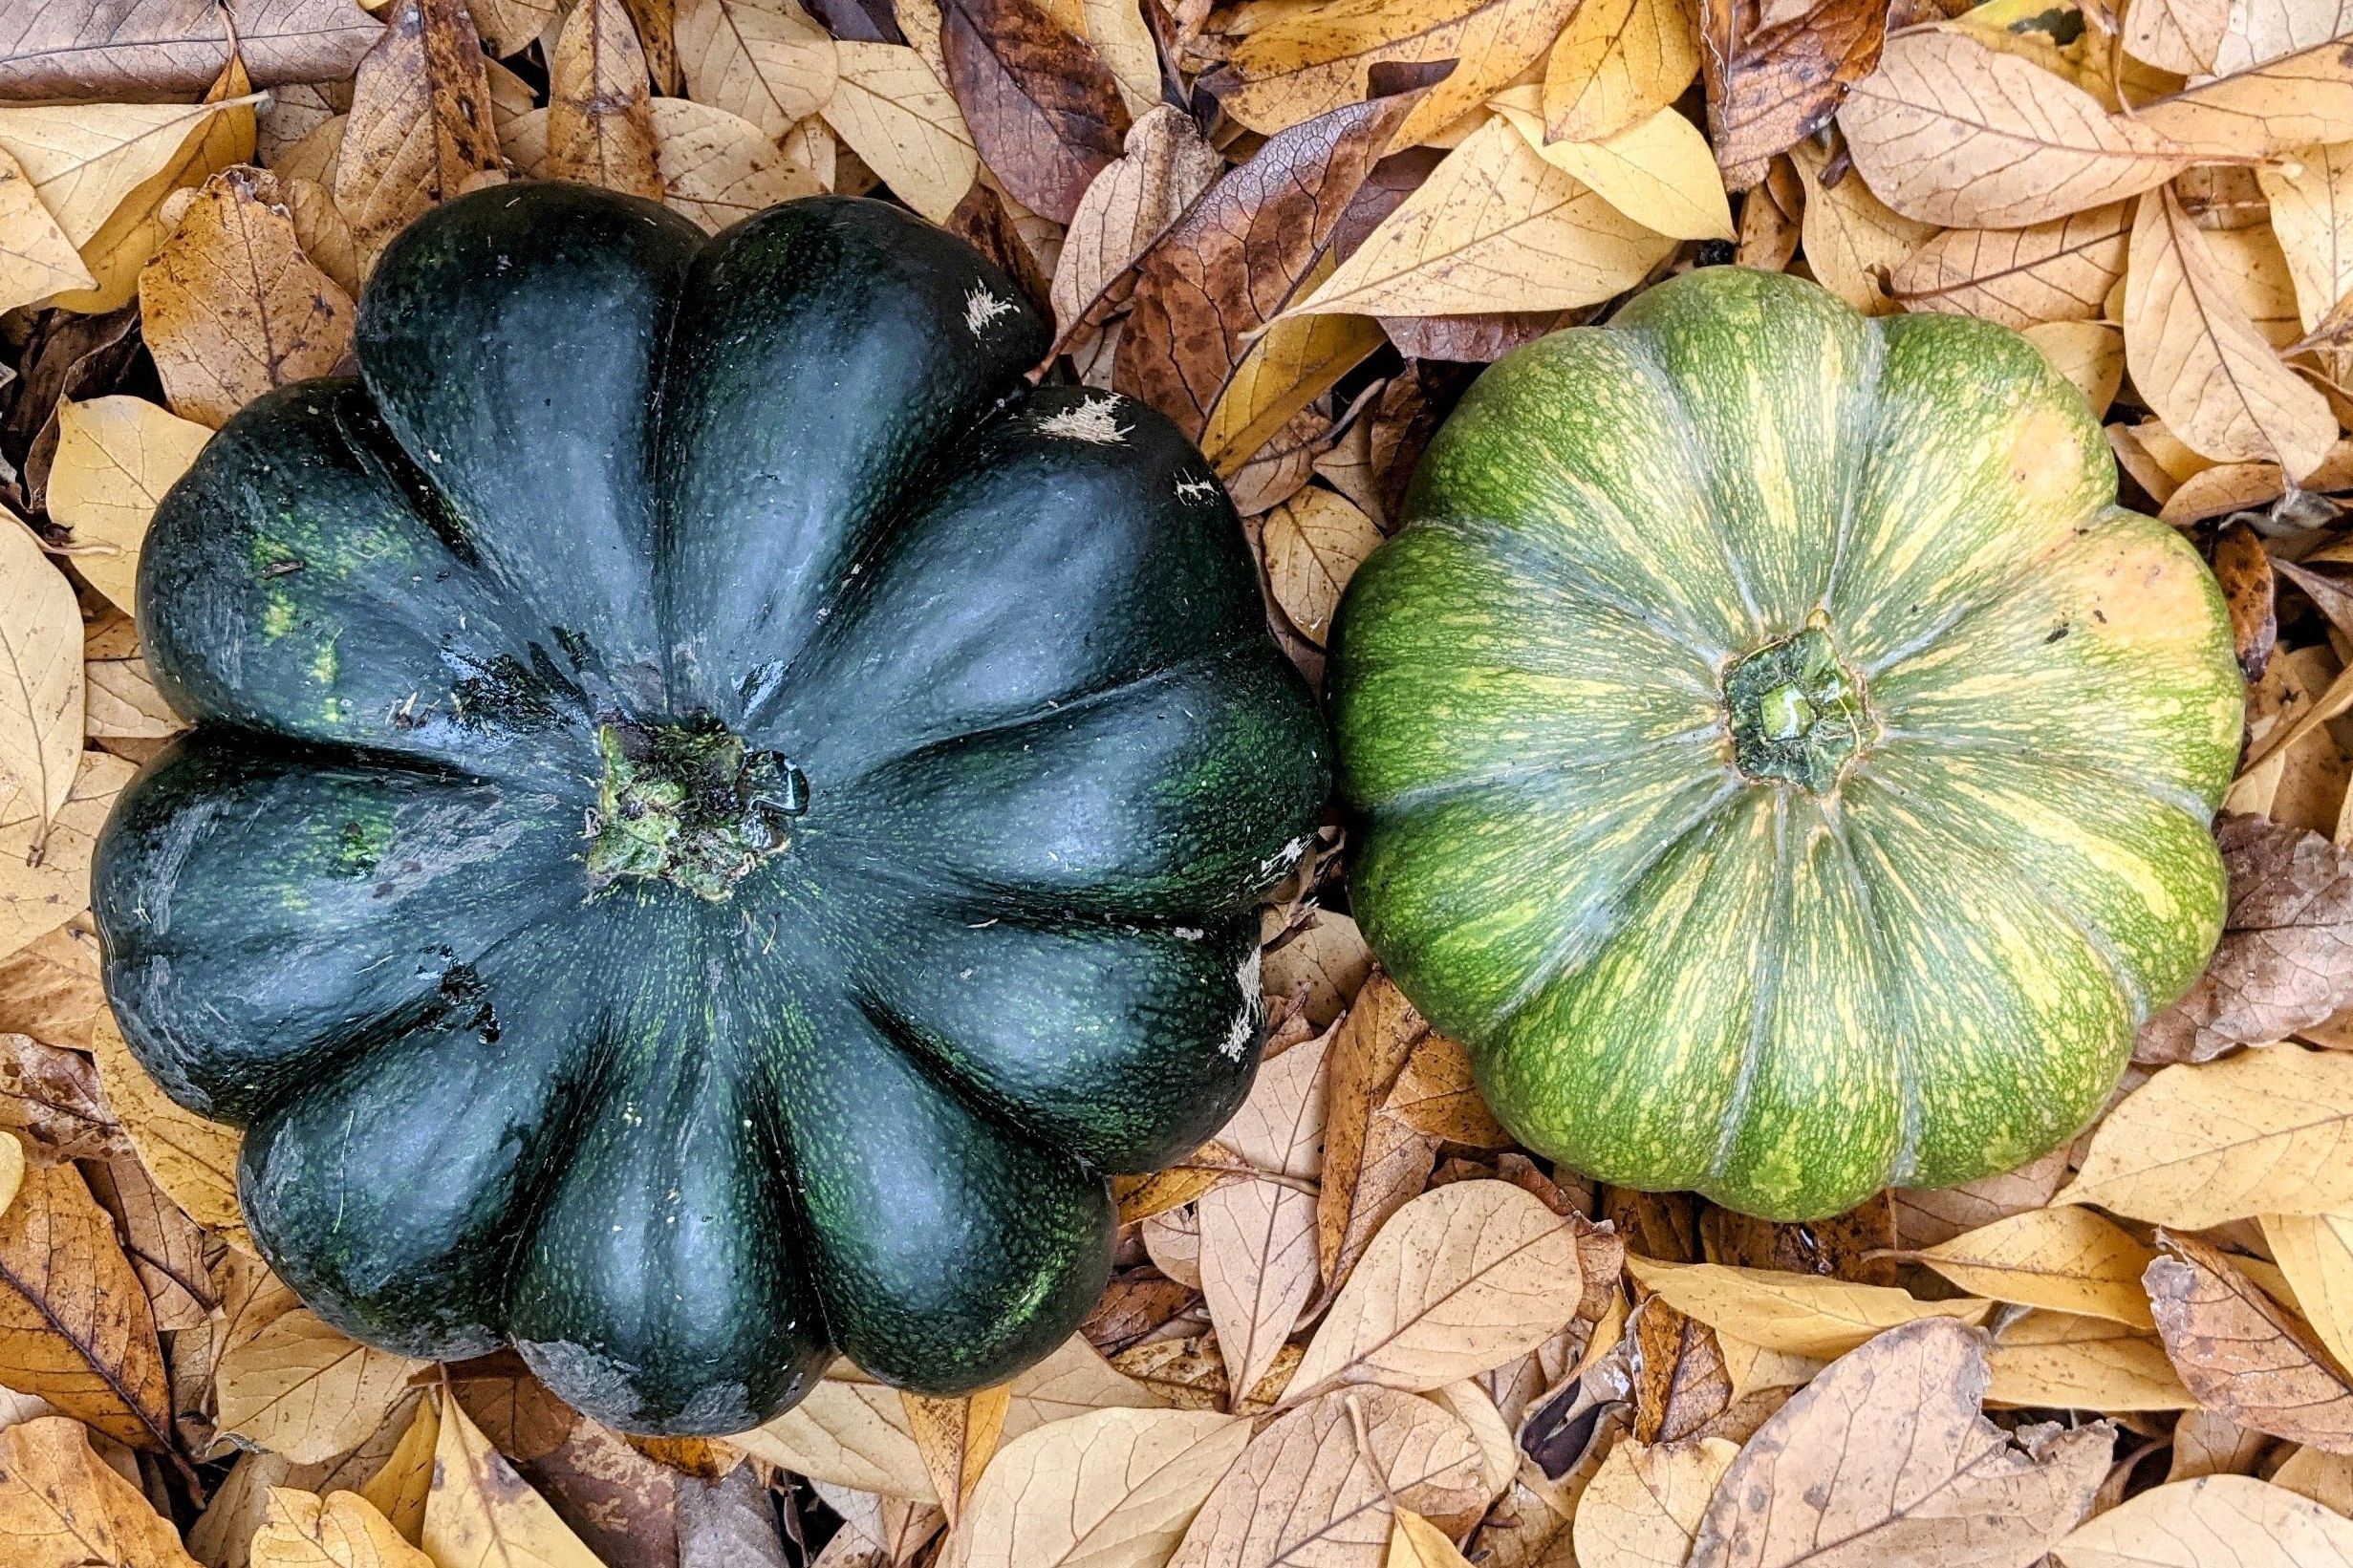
(1775, 753)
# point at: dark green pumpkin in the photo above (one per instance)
(1776, 756)
(717, 814)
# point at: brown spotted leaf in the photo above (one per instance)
(420, 130)
(2242, 1353)
(61, 1506)
(1045, 110)
(75, 1325)
(111, 49)
(1777, 71)
(600, 112)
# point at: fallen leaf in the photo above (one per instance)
(2285, 960)
(1798, 1314)
(45, 867)
(1436, 1096)
(2066, 1260)
(2214, 1518)
(1375, 1160)
(2298, 100)
(1231, 265)
(1460, 1279)
(1044, 111)
(11, 1169)
(2243, 568)
(304, 1389)
(600, 114)
(1313, 543)
(116, 457)
(764, 60)
(2243, 1354)
(193, 1159)
(896, 114)
(957, 1438)
(1887, 1458)
(1657, 171)
(2059, 271)
(1320, 60)
(1311, 1489)
(421, 128)
(2311, 203)
(2059, 1361)
(2199, 361)
(1951, 131)
(37, 258)
(2177, 35)
(1772, 219)
(851, 1433)
(1644, 1505)
(62, 1507)
(1618, 62)
(1414, 1542)
(1164, 165)
(338, 1530)
(52, 1094)
(1296, 360)
(480, 1514)
(2326, 1479)
(89, 162)
(1494, 227)
(75, 1329)
(400, 1485)
(41, 681)
(2260, 1132)
(1113, 1486)
(1854, 242)
(1318, 965)
(1777, 71)
(2090, 353)
(231, 307)
(88, 49)
(2315, 1251)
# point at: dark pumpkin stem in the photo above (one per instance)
(687, 804)
(1796, 710)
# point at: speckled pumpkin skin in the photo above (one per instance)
(978, 929)
(1675, 971)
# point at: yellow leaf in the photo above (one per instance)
(480, 1514)
(1460, 1280)
(37, 258)
(1312, 545)
(2299, 100)
(2058, 1359)
(1321, 58)
(899, 116)
(719, 168)
(399, 1486)
(1414, 1542)
(853, 1434)
(762, 59)
(2263, 1132)
(1494, 227)
(193, 1159)
(1642, 1506)
(231, 307)
(1804, 1315)
(339, 1531)
(600, 116)
(1617, 62)
(2315, 1251)
(86, 160)
(303, 1389)
(116, 457)
(956, 1437)
(2067, 1259)
(2312, 213)
(2232, 1519)
(11, 1169)
(75, 1329)
(41, 679)
(1853, 239)
(1293, 362)
(2059, 271)
(1951, 131)
(1658, 171)
(45, 869)
(63, 1507)
(1109, 1486)
(2090, 354)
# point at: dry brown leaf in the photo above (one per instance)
(1141, 1197)
(303, 1389)
(1208, 286)
(89, 49)
(1777, 71)
(899, 116)
(600, 116)
(165, 1247)
(2090, 354)
(63, 1507)
(37, 258)
(1854, 242)
(1460, 1280)
(2066, 1260)
(2178, 35)
(480, 1514)
(2312, 213)
(851, 1433)
(400, 1485)
(1321, 59)
(1951, 131)
(1657, 171)
(1165, 163)
(1375, 1160)
(2298, 100)
(1494, 227)
(75, 1325)
(41, 680)
(1414, 1542)
(1044, 111)
(1313, 543)
(1319, 963)
(2285, 961)
(1318, 1484)
(1798, 1314)
(2244, 1355)
(2215, 1518)
(2059, 271)
(1257, 1269)
(719, 168)
(1644, 1505)
(2059, 1361)
(45, 868)
(11, 1169)
(121, 701)
(52, 1095)
(193, 1159)
(116, 457)
(2198, 361)
(762, 59)
(1618, 62)
(2315, 1251)
(1110, 1487)
(1885, 1458)
(421, 128)
(231, 308)
(338, 1530)
(1436, 1096)
(1772, 216)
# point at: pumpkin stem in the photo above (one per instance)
(1796, 710)
(688, 804)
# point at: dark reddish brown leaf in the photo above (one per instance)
(1234, 261)
(860, 21)
(1045, 110)
(1410, 408)
(1469, 339)
(1777, 74)
(982, 221)
(2286, 957)
(2331, 597)
(2242, 1353)
(1848, 1246)
(143, 49)
(1680, 1381)
(53, 1096)
(2244, 568)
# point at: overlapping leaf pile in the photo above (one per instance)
(1359, 1327)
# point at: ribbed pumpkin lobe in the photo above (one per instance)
(1796, 710)
(689, 804)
